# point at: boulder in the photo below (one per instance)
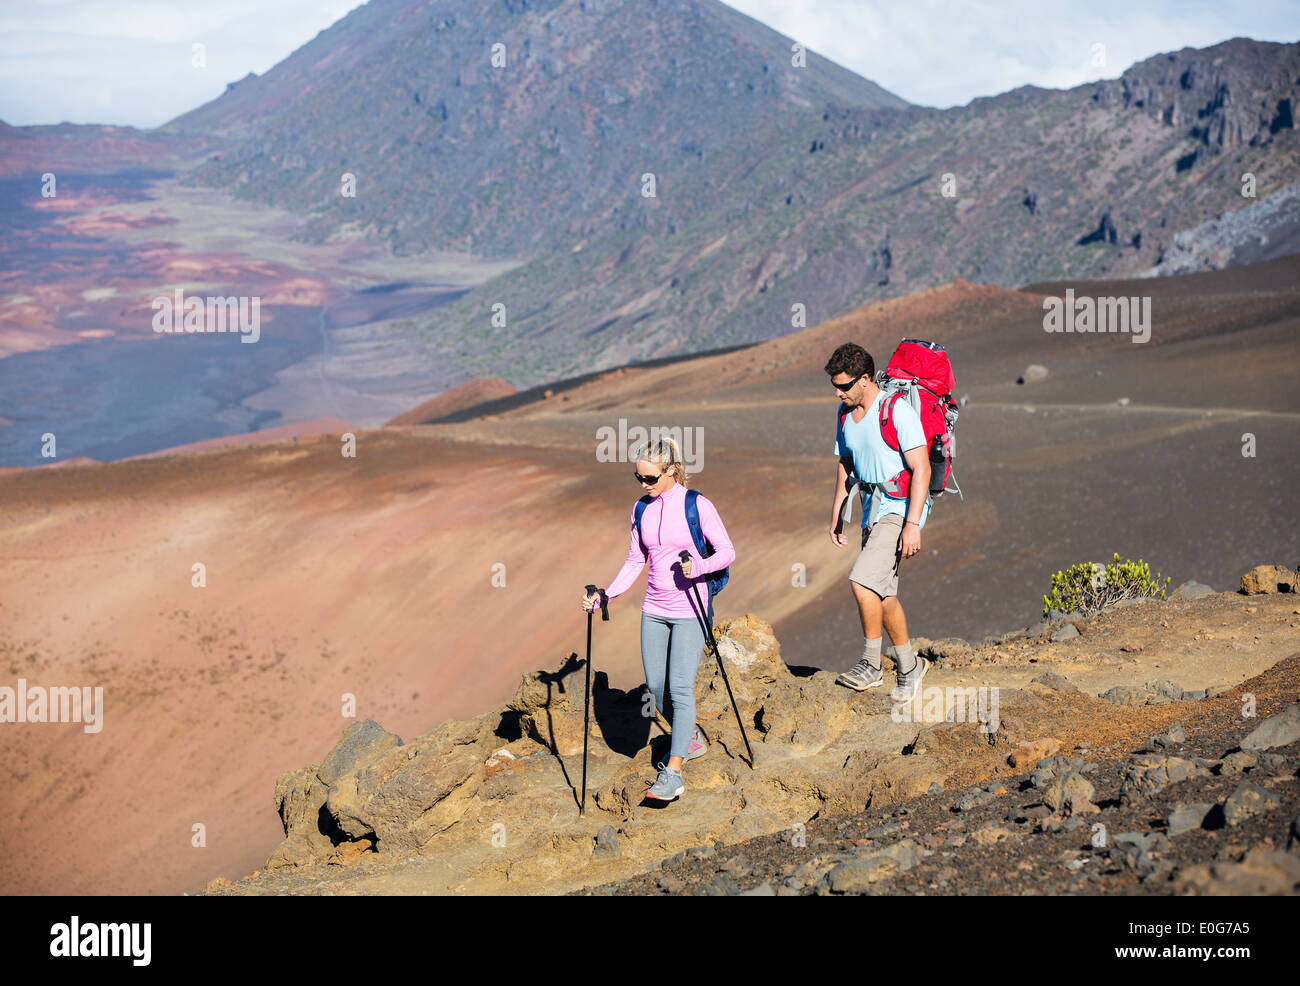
(1247, 802)
(1149, 773)
(856, 875)
(1282, 729)
(1191, 590)
(1268, 578)
(1261, 872)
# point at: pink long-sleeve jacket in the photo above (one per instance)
(665, 534)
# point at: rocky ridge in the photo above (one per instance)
(491, 804)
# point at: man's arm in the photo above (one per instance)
(843, 468)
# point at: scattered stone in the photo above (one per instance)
(1260, 872)
(721, 886)
(1148, 773)
(1068, 632)
(991, 834)
(1132, 648)
(1184, 818)
(1272, 761)
(1061, 789)
(1237, 763)
(1264, 579)
(1037, 629)
(737, 866)
(1122, 402)
(671, 884)
(1136, 850)
(1033, 373)
(1293, 837)
(856, 875)
(1282, 729)
(1124, 695)
(1247, 802)
(882, 831)
(1054, 767)
(1029, 754)
(1161, 692)
(1192, 590)
(606, 843)
(762, 890)
(1174, 736)
(1056, 682)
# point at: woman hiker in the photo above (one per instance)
(672, 638)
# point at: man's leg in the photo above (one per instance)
(869, 609)
(893, 619)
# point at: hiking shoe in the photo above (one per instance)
(697, 748)
(862, 677)
(668, 786)
(909, 683)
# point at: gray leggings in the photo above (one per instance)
(672, 648)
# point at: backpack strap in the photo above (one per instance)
(888, 430)
(701, 543)
(693, 522)
(641, 504)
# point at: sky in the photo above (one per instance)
(114, 61)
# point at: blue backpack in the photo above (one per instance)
(716, 580)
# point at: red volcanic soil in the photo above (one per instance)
(468, 394)
(425, 574)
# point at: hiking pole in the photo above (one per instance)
(708, 636)
(586, 708)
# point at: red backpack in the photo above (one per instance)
(920, 372)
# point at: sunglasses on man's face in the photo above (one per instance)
(650, 480)
(846, 387)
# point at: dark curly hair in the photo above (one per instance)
(852, 359)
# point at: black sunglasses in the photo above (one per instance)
(846, 387)
(647, 479)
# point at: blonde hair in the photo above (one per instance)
(663, 452)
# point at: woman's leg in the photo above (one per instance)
(684, 652)
(655, 633)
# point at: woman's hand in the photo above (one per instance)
(589, 601)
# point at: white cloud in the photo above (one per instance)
(947, 52)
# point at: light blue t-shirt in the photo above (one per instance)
(876, 462)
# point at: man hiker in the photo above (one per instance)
(891, 526)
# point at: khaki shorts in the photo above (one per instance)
(876, 567)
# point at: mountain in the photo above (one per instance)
(451, 152)
(783, 196)
(847, 207)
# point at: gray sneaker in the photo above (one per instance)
(697, 748)
(862, 677)
(668, 785)
(909, 683)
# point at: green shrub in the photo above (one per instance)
(1088, 588)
